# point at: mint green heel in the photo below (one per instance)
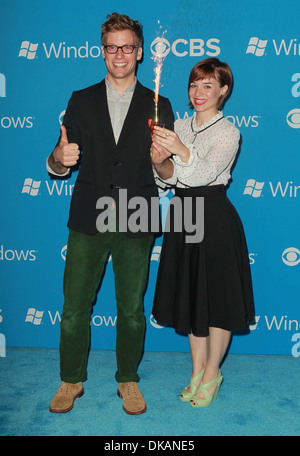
(186, 395)
(209, 398)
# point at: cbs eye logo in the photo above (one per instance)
(291, 256)
(160, 47)
(293, 118)
(61, 117)
(63, 252)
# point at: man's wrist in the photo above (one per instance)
(56, 166)
(57, 163)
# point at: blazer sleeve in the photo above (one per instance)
(166, 114)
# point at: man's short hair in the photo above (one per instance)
(117, 22)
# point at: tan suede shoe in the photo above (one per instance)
(65, 396)
(133, 400)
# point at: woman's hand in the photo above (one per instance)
(158, 154)
(160, 159)
(170, 141)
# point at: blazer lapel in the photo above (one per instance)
(134, 111)
(102, 114)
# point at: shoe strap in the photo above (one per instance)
(195, 379)
(204, 387)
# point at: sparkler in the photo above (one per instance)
(157, 71)
(159, 54)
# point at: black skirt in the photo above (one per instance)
(208, 283)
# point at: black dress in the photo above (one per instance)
(208, 283)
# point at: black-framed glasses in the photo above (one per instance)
(126, 48)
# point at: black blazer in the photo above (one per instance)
(107, 167)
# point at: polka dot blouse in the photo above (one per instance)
(213, 151)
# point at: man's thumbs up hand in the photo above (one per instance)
(67, 154)
(64, 135)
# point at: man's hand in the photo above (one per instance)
(64, 155)
(67, 154)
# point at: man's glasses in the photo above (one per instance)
(126, 49)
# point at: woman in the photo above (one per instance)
(203, 288)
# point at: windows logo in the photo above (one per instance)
(31, 187)
(28, 50)
(34, 316)
(256, 46)
(253, 188)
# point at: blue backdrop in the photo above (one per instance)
(49, 49)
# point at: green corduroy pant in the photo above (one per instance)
(85, 262)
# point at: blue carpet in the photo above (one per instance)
(259, 397)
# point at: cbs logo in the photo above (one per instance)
(293, 118)
(194, 47)
(291, 256)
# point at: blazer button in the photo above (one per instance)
(117, 163)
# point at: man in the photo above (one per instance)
(108, 123)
